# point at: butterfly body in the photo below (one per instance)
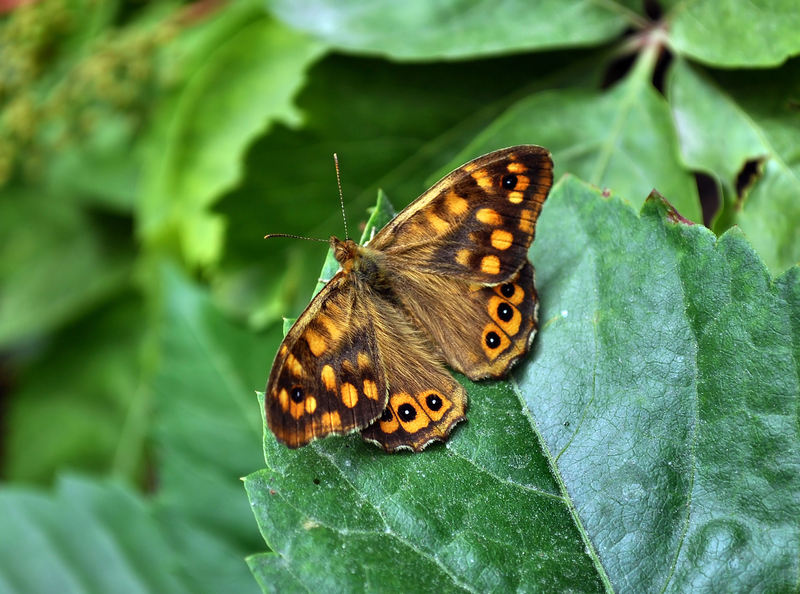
(446, 281)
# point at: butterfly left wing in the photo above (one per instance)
(477, 223)
(327, 377)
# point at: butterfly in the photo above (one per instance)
(447, 280)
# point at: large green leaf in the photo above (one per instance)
(243, 85)
(455, 28)
(648, 443)
(86, 537)
(732, 33)
(727, 120)
(207, 434)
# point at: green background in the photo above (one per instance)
(650, 442)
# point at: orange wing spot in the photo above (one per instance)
(294, 366)
(331, 421)
(363, 361)
(522, 183)
(297, 410)
(515, 197)
(489, 216)
(483, 179)
(490, 265)
(526, 221)
(434, 403)
(456, 204)
(370, 389)
(329, 378)
(392, 424)
(469, 167)
(414, 418)
(516, 167)
(501, 239)
(495, 309)
(333, 330)
(463, 257)
(316, 342)
(437, 223)
(311, 404)
(493, 341)
(283, 397)
(349, 395)
(283, 349)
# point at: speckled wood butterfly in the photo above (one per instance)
(446, 281)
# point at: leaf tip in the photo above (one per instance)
(670, 211)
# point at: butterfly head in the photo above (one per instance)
(344, 251)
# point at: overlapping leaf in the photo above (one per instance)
(457, 28)
(726, 121)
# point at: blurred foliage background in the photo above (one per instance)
(147, 147)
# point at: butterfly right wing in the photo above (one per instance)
(327, 377)
(475, 224)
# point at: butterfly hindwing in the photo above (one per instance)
(327, 377)
(493, 326)
(425, 401)
(477, 223)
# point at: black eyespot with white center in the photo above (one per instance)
(386, 416)
(505, 312)
(492, 340)
(297, 394)
(406, 412)
(510, 181)
(507, 290)
(434, 401)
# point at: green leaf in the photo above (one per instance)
(76, 401)
(57, 261)
(457, 28)
(86, 537)
(208, 433)
(730, 33)
(648, 443)
(196, 152)
(725, 121)
(665, 384)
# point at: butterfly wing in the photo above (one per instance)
(326, 377)
(477, 223)
(424, 402)
(484, 330)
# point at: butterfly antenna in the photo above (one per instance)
(341, 197)
(271, 235)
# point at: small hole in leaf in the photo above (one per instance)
(748, 175)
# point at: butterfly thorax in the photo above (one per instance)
(363, 263)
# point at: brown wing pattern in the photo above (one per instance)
(477, 223)
(327, 376)
(489, 328)
(425, 402)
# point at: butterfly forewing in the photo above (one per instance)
(477, 223)
(327, 376)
